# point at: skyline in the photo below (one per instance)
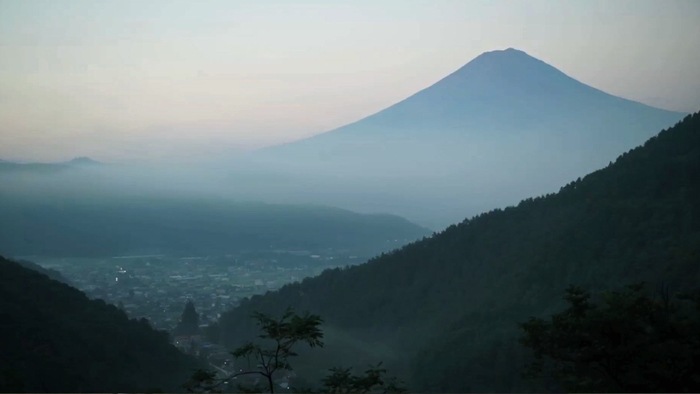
(151, 81)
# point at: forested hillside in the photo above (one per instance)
(51, 273)
(54, 339)
(449, 305)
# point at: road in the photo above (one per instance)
(224, 373)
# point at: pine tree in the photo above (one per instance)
(189, 322)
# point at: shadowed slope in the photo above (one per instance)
(57, 340)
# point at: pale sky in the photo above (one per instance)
(150, 79)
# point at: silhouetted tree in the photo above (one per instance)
(189, 322)
(341, 380)
(265, 361)
(628, 342)
(282, 334)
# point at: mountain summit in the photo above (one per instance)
(503, 91)
(504, 126)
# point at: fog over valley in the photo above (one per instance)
(368, 197)
(503, 127)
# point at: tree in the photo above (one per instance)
(628, 342)
(341, 380)
(189, 322)
(282, 335)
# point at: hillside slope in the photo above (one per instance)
(51, 273)
(57, 340)
(499, 92)
(111, 226)
(637, 219)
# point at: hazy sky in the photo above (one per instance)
(143, 80)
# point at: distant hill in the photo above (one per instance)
(84, 161)
(54, 339)
(81, 226)
(448, 305)
(46, 168)
(504, 126)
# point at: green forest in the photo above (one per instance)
(448, 308)
(54, 339)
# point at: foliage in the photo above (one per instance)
(283, 334)
(55, 339)
(341, 380)
(189, 322)
(628, 342)
(636, 220)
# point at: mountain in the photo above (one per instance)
(57, 340)
(447, 307)
(31, 168)
(504, 126)
(81, 226)
(498, 94)
(83, 161)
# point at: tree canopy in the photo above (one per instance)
(271, 355)
(189, 322)
(628, 341)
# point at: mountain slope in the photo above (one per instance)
(503, 127)
(57, 340)
(500, 92)
(80, 226)
(468, 286)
